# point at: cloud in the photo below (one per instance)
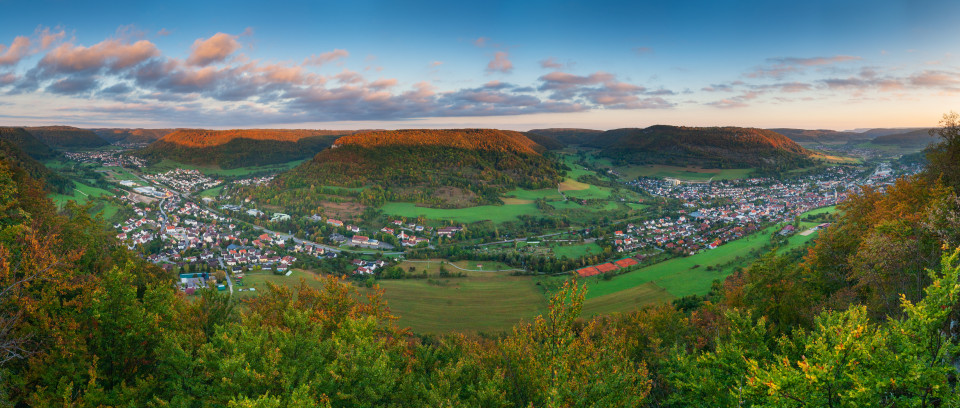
(550, 63)
(48, 38)
(164, 32)
(728, 104)
(642, 50)
(481, 42)
(500, 63)
(783, 66)
(327, 57)
(127, 78)
(436, 63)
(943, 80)
(13, 53)
(212, 50)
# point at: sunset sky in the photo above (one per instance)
(514, 65)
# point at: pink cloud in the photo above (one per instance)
(214, 49)
(550, 63)
(112, 53)
(327, 57)
(500, 63)
(481, 42)
(12, 54)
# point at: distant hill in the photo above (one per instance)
(479, 164)
(913, 139)
(874, 133)
(27, 142)
(11, 152)
(819, 135)
(239, 147)
(67, 137)
(548, 142)
(132, 136)
(568, 136)
(717, 147)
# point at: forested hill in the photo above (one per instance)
(820, 135)
(67, 137)
(568, 136)
(914, 138)
(240, 147)
(132, 136)
(720, 147)
(15, 155)
(479, 163)
(27, 142)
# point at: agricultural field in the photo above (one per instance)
(492, 302)
(495, 213)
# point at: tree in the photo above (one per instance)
(944, 158)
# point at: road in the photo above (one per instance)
(227, 273)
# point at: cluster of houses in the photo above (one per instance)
(111, 158)
(366, 267)
(184, 180)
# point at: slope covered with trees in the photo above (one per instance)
(239, 147)
(67, 137)
(27, 142)
(482, 162)
(568, 136)
(714, 147)
(916, 139)
(14, 155)
(132, 136)
(820, 135)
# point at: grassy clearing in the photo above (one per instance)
(575, 251)
(471, 304)
(120, 173)
(81, 194)
(212, 193)
(569, 184)
(682, 173)
(216, 171)
(590, 192)
(495, 213)
(548, 194)
(513, 201)
(638, 296)
(259, 281)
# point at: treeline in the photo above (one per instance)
(67, 137)
(86, 324)
(711, 147)
(237, 152)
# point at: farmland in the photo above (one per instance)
(493, 213)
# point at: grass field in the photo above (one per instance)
(491, 303)
(681, 276)
(120, 173)
(682, 173)
(81, 194)
(575, 251)
(212, 193)
(548, 194)
(167, 164)
(259, 281)
(495, 213)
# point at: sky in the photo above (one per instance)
(494, 64)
